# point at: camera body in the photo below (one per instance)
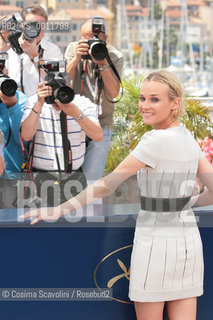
(28, 30)
(7, 86)
(56, 79)
(31, 30)
(96, 45)
(3, 58)
(11, 23)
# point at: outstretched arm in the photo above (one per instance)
(205, 174)
(100, 189)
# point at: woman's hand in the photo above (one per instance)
(45, 214)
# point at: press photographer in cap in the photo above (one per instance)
(30, 49)
(95, 69)
(57, 121)
(11, 108)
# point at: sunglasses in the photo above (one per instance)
(27, 9)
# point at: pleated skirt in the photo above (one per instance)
(166, 261)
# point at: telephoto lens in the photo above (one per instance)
(31, 31)
(64, 94)
(60, 90)
(99, 50)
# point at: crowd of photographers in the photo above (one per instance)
(56, 136)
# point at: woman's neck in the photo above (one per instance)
(166, 125)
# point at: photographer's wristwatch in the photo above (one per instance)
(103, 68)
(80, 117)
(36, 59)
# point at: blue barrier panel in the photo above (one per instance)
(85, 254)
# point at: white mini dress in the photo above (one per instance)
(167, 256)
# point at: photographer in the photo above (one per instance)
(43, 120)
(11, 109)
(23, 68)
(96, 80)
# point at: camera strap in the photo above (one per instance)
(66, 144)
(83, 74)
(54, 139)
(22, 71)
(40, 51)
(118, 77)
(96, 91)
(28, 156)
(40, 55)
(27, 165)
(99, 85)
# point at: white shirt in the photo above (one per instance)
(30, 73)
(44, 151)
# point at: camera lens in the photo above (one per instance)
(30, 32)
(8, 87)
(64, 94)
(99, 50)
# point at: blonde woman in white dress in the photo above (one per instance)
(167, 257)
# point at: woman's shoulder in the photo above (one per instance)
(167, 133)
(165, 139)
(156, 135)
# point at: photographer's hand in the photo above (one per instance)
(4, 43)
(8, 101)
(43, 91)
(82, 48)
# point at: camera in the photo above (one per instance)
(11, 23)
(3, 58)
(28, 30)
(56, 79)
(97, 46)
(7, 85)
(31, 30)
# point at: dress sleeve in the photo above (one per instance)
(146, 150)
(201, 154)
